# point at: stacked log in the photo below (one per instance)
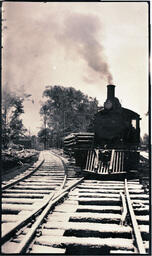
(81, 140)
(70, 141)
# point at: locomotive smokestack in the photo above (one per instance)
(110, 91)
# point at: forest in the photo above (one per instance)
(64, 110)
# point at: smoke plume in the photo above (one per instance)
(32, 43)
(80, 32)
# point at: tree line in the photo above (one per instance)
(65, 110)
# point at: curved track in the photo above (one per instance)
(82, 217)
(23, 196)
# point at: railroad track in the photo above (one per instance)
(25, 195)
(81, 216)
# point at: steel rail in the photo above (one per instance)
(28, 238)
(35, 212)
(61, 158)
(65, 170)
(9, 185)
(124, 209)
(26, 219)
(18, 225)
(137, 234)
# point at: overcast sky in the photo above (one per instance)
(78, 44)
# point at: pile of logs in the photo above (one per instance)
(79, 140)
(11, 157)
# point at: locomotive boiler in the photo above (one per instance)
(111, 147)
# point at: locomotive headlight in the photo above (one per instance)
(108, 105)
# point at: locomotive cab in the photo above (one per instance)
(116, 126)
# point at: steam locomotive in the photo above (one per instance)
(111, 147)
